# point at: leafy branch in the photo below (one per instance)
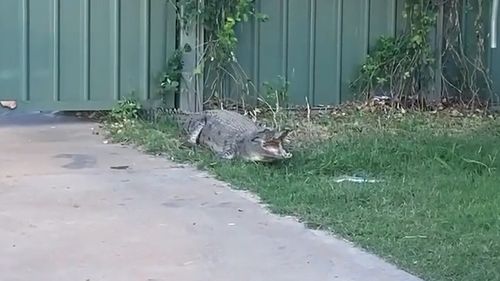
(219, 20)
(403, 67)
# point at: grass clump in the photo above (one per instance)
(435, 212)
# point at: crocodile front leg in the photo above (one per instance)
(228, 151)
(195, 130)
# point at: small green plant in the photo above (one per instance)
(171, 78)
(126, 109)
(401, 66)
(275, 100)
(276, 93)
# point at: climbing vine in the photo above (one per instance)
(219, 20)
(401, 66)
(464, 52)
(171, 77)
(421, 60)
(405, 67)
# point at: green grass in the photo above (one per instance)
(436, 213)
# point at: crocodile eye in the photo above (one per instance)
(257, 139)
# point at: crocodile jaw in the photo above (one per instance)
(256, 156)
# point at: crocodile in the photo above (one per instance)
(231, 135)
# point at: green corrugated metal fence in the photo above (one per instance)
(317, 45)
(470, 14)
(86, 54)
(82, 54)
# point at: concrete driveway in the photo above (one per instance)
(66, 214)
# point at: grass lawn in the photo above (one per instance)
(436, 212)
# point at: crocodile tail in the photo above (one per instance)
(175, 114)
(173, 111)
(179, 117)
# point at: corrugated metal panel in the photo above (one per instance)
(317, 45)
(82, 54)
(468, 17)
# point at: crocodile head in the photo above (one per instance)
(265, 145)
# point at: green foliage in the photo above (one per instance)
(401, 65)
(219, 20)
(127, 109)
(276, 93)
(171, 78)
(275, 99)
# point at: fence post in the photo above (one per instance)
(191, 87)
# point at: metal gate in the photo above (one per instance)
(83, 54)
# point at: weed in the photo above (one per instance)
(127, 109)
